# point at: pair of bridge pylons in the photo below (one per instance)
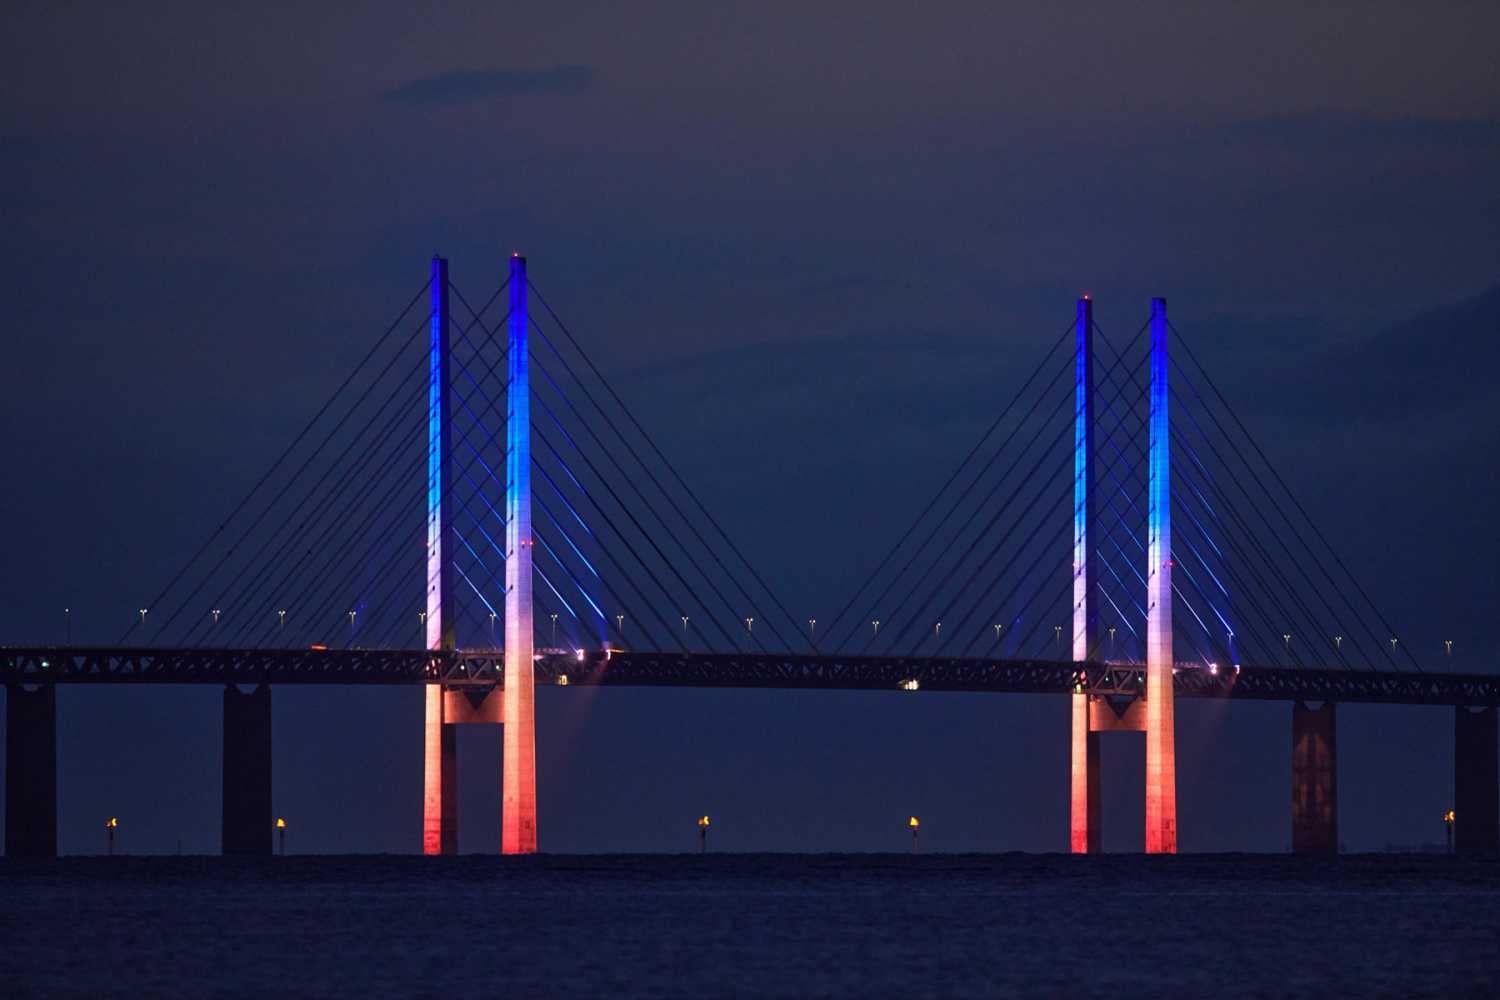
(513, 704)
(1152, 714)
(1314, 776)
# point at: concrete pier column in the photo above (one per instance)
(1161, 746)
(1315, 784)
(31, 771)
(247, 815)
(518, 709)
(1087, 827)
(1476, 782)
(439, 778)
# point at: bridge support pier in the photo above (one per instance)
(1092, 716)
(439, 778)
(1476, 782)
(1315, 798)
(1087, 825)
(31, 771)
(247, 811)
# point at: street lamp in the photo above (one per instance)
(280, 621)
(554, 628)
(812, 629)
(1448, 648)
(281, 834)
(703, 835)
(1111, 642)
(915, 825)
(68, 625)
(620, 625)
(876, 626)
(937, 630)
(1057, 631)
(1448, 825)
(143, 616)
(110, 826)
(1286, 637)
(684, 625)
(216, 613)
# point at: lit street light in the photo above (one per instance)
(916, 826)
(876, 626)
(110, 826)
(281, 834)
(703, 835)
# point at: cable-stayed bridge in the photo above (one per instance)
(476, 511)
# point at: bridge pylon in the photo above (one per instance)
(1161, 751)
(1085, 826)
(518, 709)
(440, 750)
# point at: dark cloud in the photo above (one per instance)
(460, 86)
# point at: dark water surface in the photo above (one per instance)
(773, 925)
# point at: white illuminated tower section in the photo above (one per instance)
(440, 756)
(1084, 825)
(518, 789)
(1161, 760)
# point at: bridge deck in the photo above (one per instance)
(106, 665)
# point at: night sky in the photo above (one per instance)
(816, 247)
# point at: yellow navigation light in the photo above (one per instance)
(280, 823)
(914, 822)
(703, 822)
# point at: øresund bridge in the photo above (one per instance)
(475, 512)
